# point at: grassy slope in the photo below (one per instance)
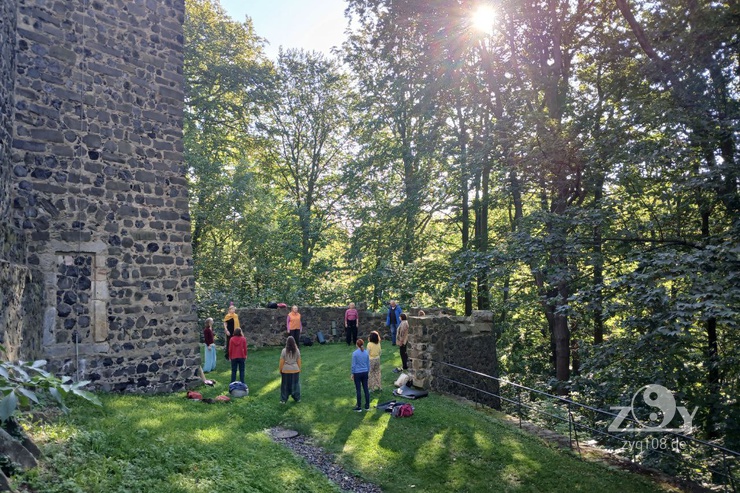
(170, 444)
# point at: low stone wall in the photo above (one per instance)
(467, 342)
(434, 339)
(267, 326)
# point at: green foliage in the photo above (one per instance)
(24, 385)
(305, 128)
(555, 170)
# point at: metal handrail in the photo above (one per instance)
(573, 424)
(585, 406)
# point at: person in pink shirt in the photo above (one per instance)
(351, 323)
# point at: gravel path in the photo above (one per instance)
(324, 462)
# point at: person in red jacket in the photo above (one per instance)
(237, 354)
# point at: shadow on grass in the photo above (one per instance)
(166, 443)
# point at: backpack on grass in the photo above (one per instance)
(403, 411)
(238, 389)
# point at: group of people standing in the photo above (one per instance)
(365, 368)
(236, 344)
(236, 351)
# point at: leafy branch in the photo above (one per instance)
(25, 384)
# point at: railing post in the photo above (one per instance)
(729, 472)
(519, 404)
(570, 426)
(631, 452)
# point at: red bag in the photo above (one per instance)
(194, 395)
(403, 411)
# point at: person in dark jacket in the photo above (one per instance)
(393, 319)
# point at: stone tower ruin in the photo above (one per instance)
(95, 256)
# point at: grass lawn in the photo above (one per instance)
(166, 443)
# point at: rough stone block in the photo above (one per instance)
(100, 327)
(15, 450)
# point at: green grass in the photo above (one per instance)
(166, 443)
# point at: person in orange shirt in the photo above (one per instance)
(231, 323)
(294, 325)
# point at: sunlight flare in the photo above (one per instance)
(483, 18)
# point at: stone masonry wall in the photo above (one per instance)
(98, 187)
(20, 287)
(7, 84)
(467, 342)
(267, 326)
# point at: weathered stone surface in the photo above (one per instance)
(436, 341)
(5, 482)
(15, 450)
(90, 159)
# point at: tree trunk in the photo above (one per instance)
(410, 206)
(598, 279)
(561, 335)
(304, 219)
(711, 358)
(484, 297)
(464, 189)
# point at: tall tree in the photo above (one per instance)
(691, 58)
(307, 130)
(399, 131)
(225, 74)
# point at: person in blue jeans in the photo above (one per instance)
(360, 372)
(393, 319)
